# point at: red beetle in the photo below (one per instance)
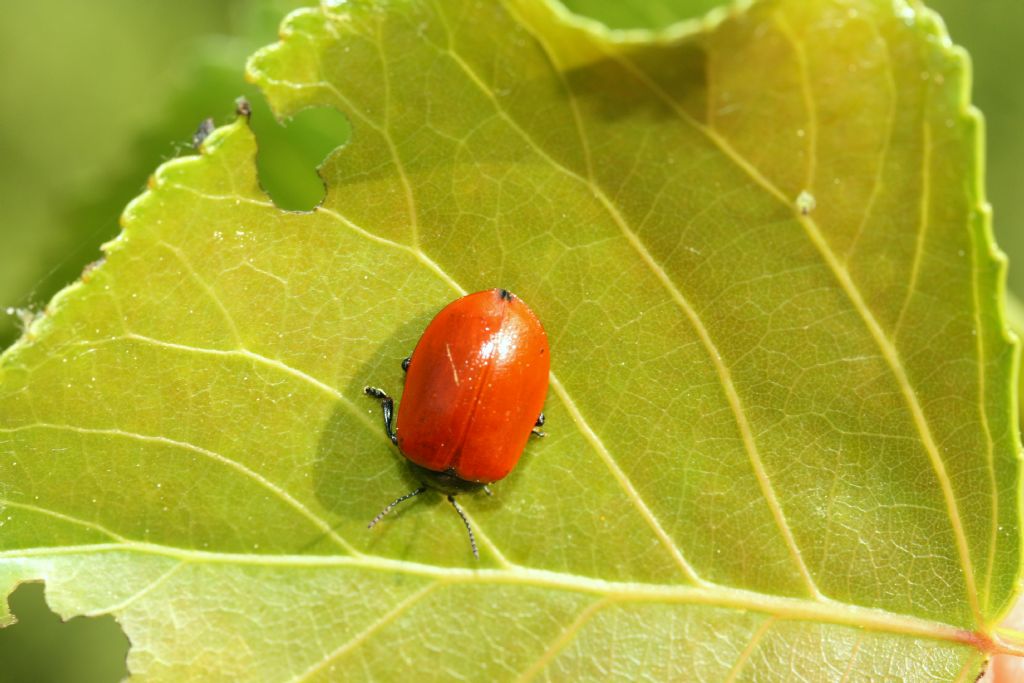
(475, 385)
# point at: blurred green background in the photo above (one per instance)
(96, 95)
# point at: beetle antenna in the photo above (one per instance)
(465, 520)
(396, 501)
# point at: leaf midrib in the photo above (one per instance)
(794, 609)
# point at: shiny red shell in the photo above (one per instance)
(475, 387)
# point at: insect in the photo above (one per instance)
(474, 389)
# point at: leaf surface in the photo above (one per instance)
(645, 14)
(781, 439)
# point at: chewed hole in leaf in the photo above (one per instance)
(290, 154)
(40, 646)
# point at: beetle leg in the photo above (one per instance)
(540, 423)
(387, 405)
(392, 504)
(405, 363)
(465, 520)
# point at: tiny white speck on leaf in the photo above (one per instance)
(805, 202)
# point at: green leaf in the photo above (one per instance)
(141, 80)
(645, 14)
(781, 437)
(991, 31)
(55, 163)
(1015, 318)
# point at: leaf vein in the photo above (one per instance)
(228, 318)
(886, 345)
(139, 594)
(265, 483)
(923, 216)
(563, 639)
(805, 90)
(367, 633)
(64, 517)
(711, 349)
(853, 657)
(979, 341)
(795, 609)
(752, 643)
(283, 367)
(890, 126)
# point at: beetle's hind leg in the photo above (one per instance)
(387, 405)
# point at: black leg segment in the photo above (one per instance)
(405, 363)
(469, 529)
(540, 423)
(387, 405)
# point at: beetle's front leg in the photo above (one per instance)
(387, 405)
(540, 423)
